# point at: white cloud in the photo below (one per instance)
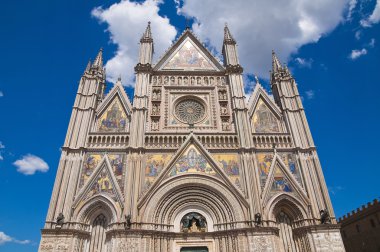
(262, 25)
(351, 6)
(1, 94)
(357, 53)
(29, 164)
(310, 94)
(304, 62)
(358, 34)
(6, 238)
(2, 146)
(374, 18)
(126, 23)
(371, 43)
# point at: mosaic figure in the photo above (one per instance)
(192, 161)
(265, 161)
(231, 166)
(188, 57)
(264, 121)
(114, 119)
(154, 165)
(280, 182)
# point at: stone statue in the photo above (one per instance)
(258, 220)
(128, 222)
(325, 216)
(60, 219)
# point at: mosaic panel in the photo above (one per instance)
(155, 163)
(114, 119)
(280, 182)
(290, 161)
(188, 57)
(264, 121)
(102, 184)
(117, 164)
(264, 161)
(231, 166)
(90, 163)
(192, 161)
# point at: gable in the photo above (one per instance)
(102, 180)
(263, 119)
(191, 161)
(189, 58)
(280, 179)
(92, 162)
(114, 118)
(188, 54)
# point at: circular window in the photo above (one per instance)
(190, 111)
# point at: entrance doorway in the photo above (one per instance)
(194, 249)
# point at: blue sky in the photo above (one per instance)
(333, 54)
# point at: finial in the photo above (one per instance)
(98, 62)
(228, 39)
(147, 35)
(187, 23)
(257, 79)
(276, 65)
(119, 78)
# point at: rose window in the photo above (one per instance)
(190, 111)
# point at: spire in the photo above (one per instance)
(147, 36)
(257, 80)
(98, 62)
(228, 39)
(276, 65)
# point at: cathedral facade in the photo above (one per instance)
(190, 165)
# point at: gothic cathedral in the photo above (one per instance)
(189, 165)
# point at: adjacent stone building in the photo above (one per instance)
(190, 165)
(361, 228)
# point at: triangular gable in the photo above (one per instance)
(102, 181)
(188, 54)
(264, 113)
(118, 92)
(115, 110)
(191, 158)
(280, 180)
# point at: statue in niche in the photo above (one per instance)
(206, 81)
(185, 81)
(199, 81)
(166, 80)
(154, 109)
(172, 80)
(223, 81)
(258, 219)
(224, 110)
(158, 95)
(224, 95)
(154, 80)
(154, 95)
(192, 80)
(193, 223)
(225, 126)
(211, 81)
(179, 80)
(154, 125)
(218, 81)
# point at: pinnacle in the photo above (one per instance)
(228, 39)
(98, 62)
(276, 65)
(147, 34)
